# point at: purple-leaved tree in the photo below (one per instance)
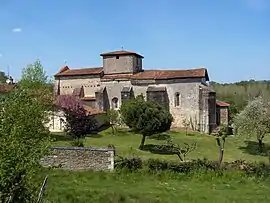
(78, 122)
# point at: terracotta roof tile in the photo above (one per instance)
(171, 74)
(6, 87)
(122, 52)
(222, 103)
(83, 71)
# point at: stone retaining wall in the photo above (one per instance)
(79, 158)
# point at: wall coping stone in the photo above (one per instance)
(85, 149)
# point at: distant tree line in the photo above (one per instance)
(238, 94)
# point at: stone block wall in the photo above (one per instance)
(79, 158)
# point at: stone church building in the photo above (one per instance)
(184, 92)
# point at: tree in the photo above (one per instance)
(254, 120)
(34, 73)
(24, 139)
(3, 77)
(113, 117)
(145, 117)
(78, 121)
(220, 135)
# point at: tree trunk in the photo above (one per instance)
(260, 142)
(221, 154)
(142, 142)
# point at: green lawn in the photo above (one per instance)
(143, 187)
(127, 143)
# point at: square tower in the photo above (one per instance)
(121, 62)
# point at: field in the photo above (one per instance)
(139, 187)
(127, 143)
(165, 187)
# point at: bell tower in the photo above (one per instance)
(121, 62)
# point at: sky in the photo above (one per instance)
(231, 38)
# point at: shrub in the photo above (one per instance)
(145, 117)
(130, 164)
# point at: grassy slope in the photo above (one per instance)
(126, 144)
(82, 187)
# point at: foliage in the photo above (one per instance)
(3, 77)
(114, 119)
(254, 120)
(130, 164)
(34, 73)
(24, 139)
(197, 165)
(78, 123)
(145, 117)
(238, 94)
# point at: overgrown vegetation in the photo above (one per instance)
(145, 117)
(24, 139)
(114, 119)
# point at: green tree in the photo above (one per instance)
(145, 117)
(3, 77)
(34, 73)
(24, 139)
(254, 120)
(114, 119)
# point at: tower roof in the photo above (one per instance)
(122, 52)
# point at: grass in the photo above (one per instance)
(144, 187)
(127, 143)
(165, 187)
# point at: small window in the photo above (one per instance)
(177, 99)
(117, 57)
(115, 103)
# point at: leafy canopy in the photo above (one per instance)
(145, 117)
(78, 122)
(24, 139)
(254, 120)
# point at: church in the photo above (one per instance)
(185, 93)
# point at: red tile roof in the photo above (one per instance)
(144, 75)
(6, 87)
(222, 104)
(171, 74)
(123, 52)
(65, 71)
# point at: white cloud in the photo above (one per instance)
(17, 29)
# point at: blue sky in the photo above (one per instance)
(231, 38)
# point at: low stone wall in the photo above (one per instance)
(80, 158)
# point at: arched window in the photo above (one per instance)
(177, 99)
(115, 103)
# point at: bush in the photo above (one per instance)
(130, 164)
(199, 165)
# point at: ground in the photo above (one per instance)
(127, 143)
(138, 187)
(164, 187)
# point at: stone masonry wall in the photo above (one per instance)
(79, 158)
